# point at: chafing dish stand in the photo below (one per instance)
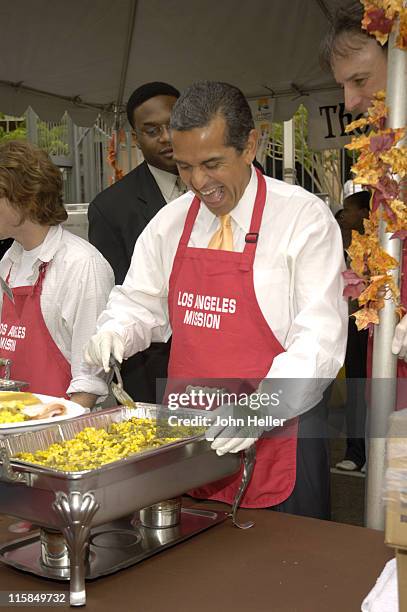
(83, 534)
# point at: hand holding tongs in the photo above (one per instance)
(117, 388)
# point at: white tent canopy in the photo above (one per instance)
(86, 56)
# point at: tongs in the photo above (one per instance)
(117, 388)
(249, 460)
(249, 456)
(6, 289)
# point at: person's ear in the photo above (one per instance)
(250, 149)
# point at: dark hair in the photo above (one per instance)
(346, 20)
(145, 92)
(203, 100)
(361, 199)
(31, 183)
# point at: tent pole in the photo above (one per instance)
(123, 76)
(384, 381)
(77, 164)
(125, 63)
(289, 152)
(31, 120)
(324, 9)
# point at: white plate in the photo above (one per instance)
(72, 410)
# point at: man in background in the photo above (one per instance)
(359, 65)
(357, 60)
(355, 210)
(118, 215)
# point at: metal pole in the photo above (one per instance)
(289, 152)
(77, 164)
(32, 125)
(71, 149)
(384, 362)
(88, 154)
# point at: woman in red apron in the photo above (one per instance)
(31, 212)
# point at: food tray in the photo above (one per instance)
(75, 502)
(29, 491)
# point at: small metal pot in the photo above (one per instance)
(162, 515)
(54, 551)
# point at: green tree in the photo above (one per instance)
(53, 137)
(323, 167)
(19, 133)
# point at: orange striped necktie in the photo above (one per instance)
(223, 237)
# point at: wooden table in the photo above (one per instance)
(283, 564)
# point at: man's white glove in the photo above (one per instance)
(230, 436)
(103, 344)
(399, 344)
(231, 445)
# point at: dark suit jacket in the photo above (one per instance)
(5, 245)
(117, 216)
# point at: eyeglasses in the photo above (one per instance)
(154, 131)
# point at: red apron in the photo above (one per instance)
(25, 339)
(239, 344)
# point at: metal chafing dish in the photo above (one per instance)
(74, 503)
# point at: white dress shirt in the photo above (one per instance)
(170, 185)
(74, 293)
(297, 278)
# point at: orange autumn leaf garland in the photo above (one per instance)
(380, 167)
(380, 17)
(370, 280)
(112, 159)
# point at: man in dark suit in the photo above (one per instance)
(118, 215)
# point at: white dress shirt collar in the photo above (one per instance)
(48, 248)
(241, 213)
(165, 181)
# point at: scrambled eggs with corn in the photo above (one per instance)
(10, 412)
(12, 403)
(92, 448)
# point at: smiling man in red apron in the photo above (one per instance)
(246, 272)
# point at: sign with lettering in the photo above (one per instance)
(327, 121)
